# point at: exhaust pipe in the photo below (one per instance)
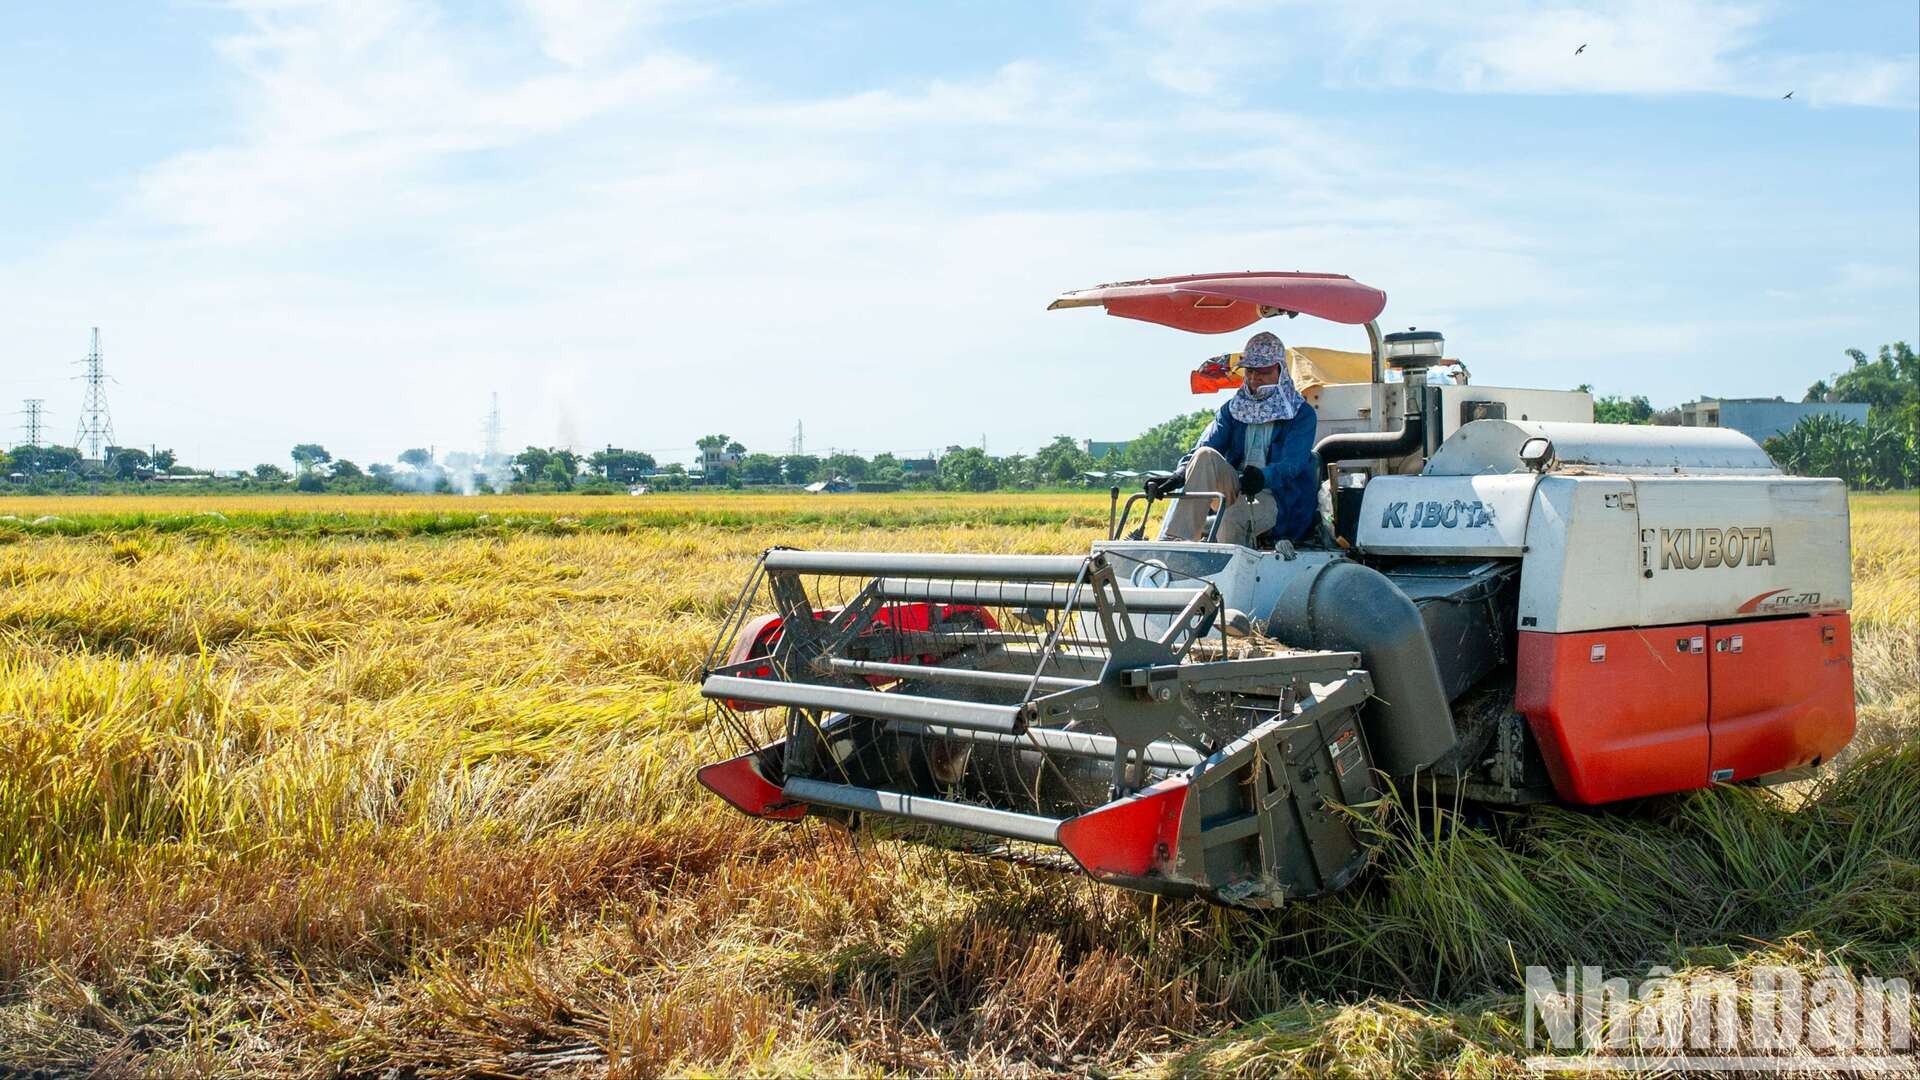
(1362, 445)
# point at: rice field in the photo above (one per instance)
(402, 786)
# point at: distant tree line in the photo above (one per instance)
(1882, 453)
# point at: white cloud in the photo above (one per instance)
(579, 32)
(348, 103)
(635, 245)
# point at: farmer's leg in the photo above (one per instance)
(1208, 471)
(1244, 521)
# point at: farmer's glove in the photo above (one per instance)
(1160, 487)
(1252, 482)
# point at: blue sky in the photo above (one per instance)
(347, 222)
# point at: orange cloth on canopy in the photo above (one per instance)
(1309, 365)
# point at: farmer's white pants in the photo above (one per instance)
(1240, 519)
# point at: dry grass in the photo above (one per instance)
(341, 785)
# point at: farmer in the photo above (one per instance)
(1257, 453)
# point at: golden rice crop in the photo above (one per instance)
(354, 785)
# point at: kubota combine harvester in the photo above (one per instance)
(1505, 602)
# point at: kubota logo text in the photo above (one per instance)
(1434, 514)
(1691, 549)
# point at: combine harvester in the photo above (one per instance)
(1507, 603)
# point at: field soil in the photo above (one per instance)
(403, 786)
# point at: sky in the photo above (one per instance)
(350, 222)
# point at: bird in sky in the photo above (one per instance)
(1787, 96)
(1581, 49)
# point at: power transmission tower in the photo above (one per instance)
(492, 462)
(35, 406)
(799, 438)
(96, 423)
(492, 454)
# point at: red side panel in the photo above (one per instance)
(1129, 837)
(740, 782)
(1618, 713)
(1782, 694)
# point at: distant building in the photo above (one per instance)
(1096, 449)
(919, 468)
(1761, 419)
(716, 457)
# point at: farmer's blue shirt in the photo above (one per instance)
(1289, 470)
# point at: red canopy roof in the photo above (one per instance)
(1218, 303)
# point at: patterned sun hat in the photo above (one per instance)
(1264, 350)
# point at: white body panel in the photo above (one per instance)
(1493, 446)
(1630, 526)
(1617, 551)
(1572, 406)
(1350, 407)
(1581, 570)
(1729, 548)
(1446, 515)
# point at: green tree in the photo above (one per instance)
(42, 460)
(1060, 461)
(531, 463)
(1889, 384)
(884, 467)
(345, 470)
(672, 475)
(1160, 447)
(266, 471)
(164, 461)
(416, 459)
(760, 469)
(800, 468)
(1016, 470)
(308, 455)
(1882, 453)
(621, 466)
(1614, 409)
(846, 466)
(558, 474)
(126, 463)
(967, 469)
